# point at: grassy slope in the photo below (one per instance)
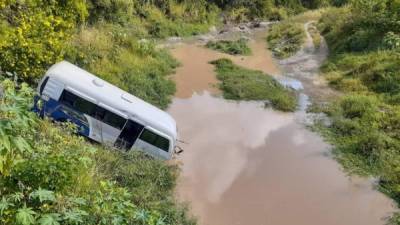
(239, 83)
(237, 47)
(366, 121)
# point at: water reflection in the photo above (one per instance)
(244, 164)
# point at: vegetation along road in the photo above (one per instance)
(294, 121)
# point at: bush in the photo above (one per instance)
(238, 47)
(285, 39)
(238, 83)
(35, 34)
(358, 106)
(378, 71)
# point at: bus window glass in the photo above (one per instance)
(155, 140)
(162, 143)
(81, 105)
(85, 106)
(114, 120)
(68, 99)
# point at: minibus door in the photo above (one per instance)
(128, 135)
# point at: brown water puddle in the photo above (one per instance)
(197, 75)
(244, 164)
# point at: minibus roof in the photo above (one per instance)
(121, 101)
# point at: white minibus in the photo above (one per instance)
(104, 112)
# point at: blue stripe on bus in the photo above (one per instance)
(54, 109)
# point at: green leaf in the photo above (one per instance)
(21, 144)
(50, 219)
(43, 195)
(4, 205)
(25, 216)
(142, 215)
(5, 142)
(17, 197)
(75, 216)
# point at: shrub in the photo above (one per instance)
(391, 41)
(358, 106)
(285, 39)
(35, 35)
(238, 47)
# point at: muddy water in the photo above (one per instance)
(197, 75)
(244, 164)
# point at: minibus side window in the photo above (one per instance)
(114, 120)
(81, 105)
(154, 139)
(77, 103)
(85, 106)
(68, 99)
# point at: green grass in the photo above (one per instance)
(238, 83)
(286, 38)
(365, 128)
(237, 47)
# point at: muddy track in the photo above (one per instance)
(305, 67)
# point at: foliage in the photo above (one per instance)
(50, 176)
(33, 34)
(238, 83)
(237, 47)
(285, 39)
(246, 10)
(160, 18)
(377, 71)
(116, 55)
